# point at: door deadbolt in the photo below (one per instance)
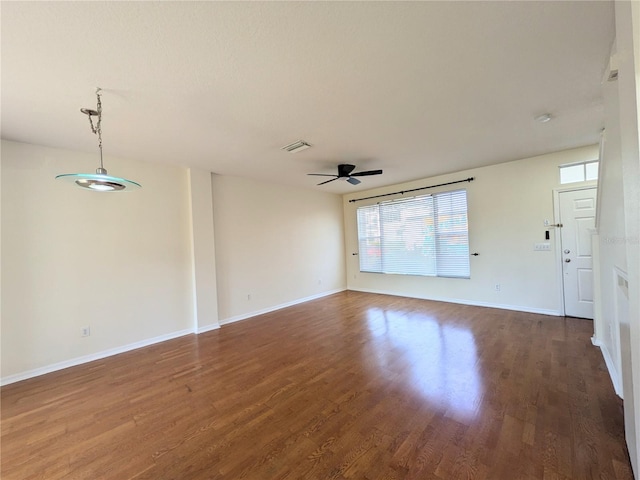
(567, 251)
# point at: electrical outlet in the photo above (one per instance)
(248, 296)
(85, 331)
(497, 287)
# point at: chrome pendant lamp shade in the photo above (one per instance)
(99, 181)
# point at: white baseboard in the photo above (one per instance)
(244, 316)
(611, 368)
(208, 328)
(91, 357)
(473, 303)
(144, 343)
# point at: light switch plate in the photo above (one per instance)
(542, 247)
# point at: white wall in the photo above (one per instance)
(628, 52)
(612, 253)
(617, 325)
(507, 205)
(146, 266)
(275, 245)
(118, 263)
(204, 251)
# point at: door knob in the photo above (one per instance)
(567, 260)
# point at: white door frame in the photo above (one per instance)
(557, 237)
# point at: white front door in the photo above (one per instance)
(577, 216)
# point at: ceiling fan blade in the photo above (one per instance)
(367, 173)
(353, 181)
(322, 175)
(345, 169)
(327, 181)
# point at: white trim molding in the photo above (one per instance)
(613, 373)
(245, 316)
(207, 328)
(91, 357)
(473, 303)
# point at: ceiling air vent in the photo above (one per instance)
(296, 146)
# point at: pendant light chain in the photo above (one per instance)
(97, 129)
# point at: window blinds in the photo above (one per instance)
(425, 235)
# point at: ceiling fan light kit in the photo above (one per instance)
(345, 171)
(99, 181)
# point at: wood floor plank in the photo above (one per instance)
(350, 386)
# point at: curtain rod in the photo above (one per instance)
(402, 192)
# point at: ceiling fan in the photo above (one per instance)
(344, 171)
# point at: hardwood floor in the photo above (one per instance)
(353, 385)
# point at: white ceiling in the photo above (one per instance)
(416, 88)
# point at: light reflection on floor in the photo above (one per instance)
(439, 362)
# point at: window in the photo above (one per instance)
(591, 170)
(419, 236)
(579, 172)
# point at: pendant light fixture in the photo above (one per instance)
(99, 181)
